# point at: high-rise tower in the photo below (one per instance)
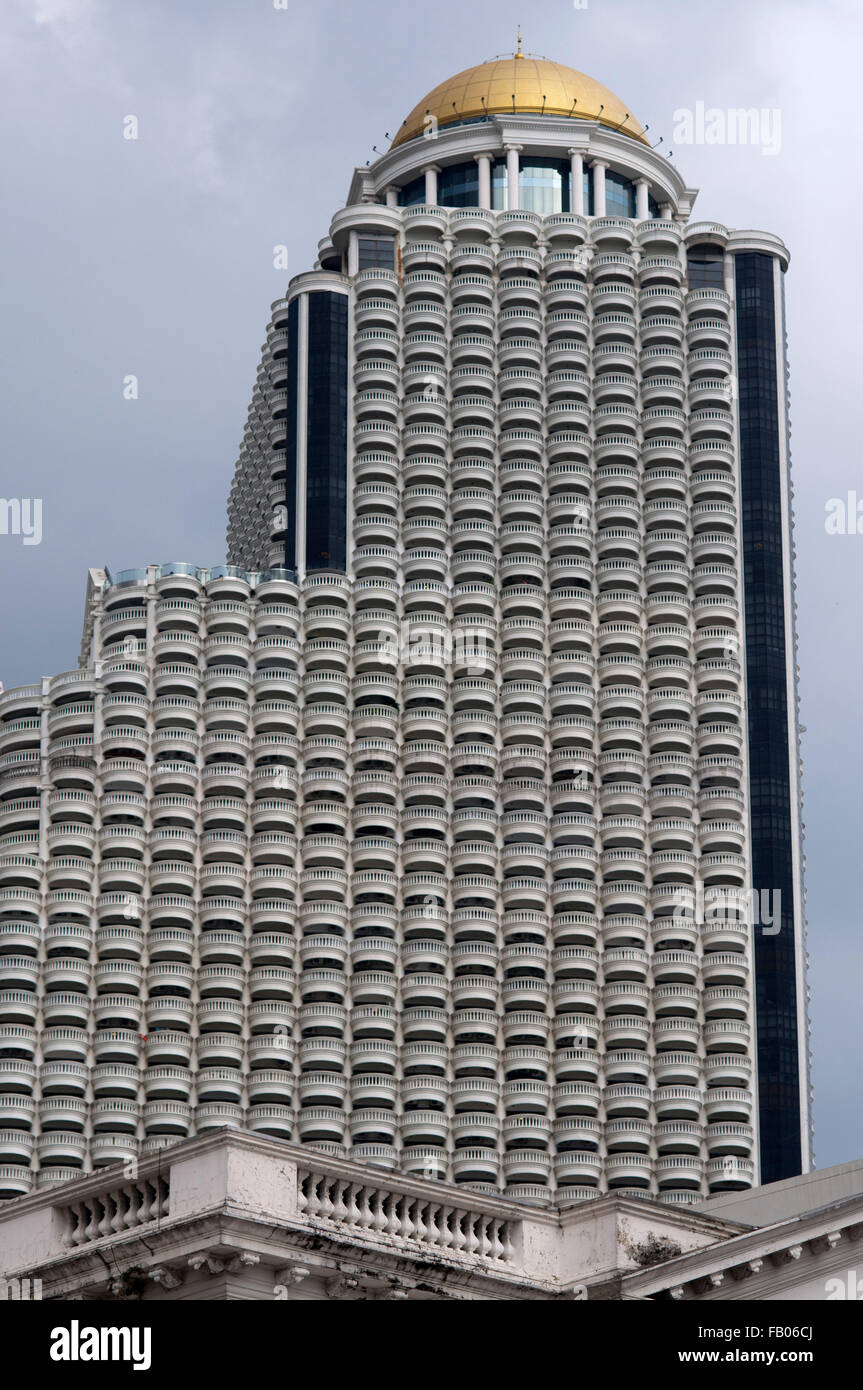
(455, 825)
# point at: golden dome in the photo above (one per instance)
(519, 84)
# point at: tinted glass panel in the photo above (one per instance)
(499, 198)
(619, 195)
(326, 433)
(413, 192)
(376, 251)
(291, 441)
(543, 185)
(766, 671)
(458, 186)
(705, 268)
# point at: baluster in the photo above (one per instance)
(459, 1233)
(496, 1229)
(483, 1242)
(407, 1225)
(131, 1202)
(153, 1208)
(422, 1230)
(75, 1218)
(118, 1221)
(141, 1206)
(434, 1225)
(506, 1236)
(470, 1232)
(90, 1231)
(361, 1206)
(327, 1204)
(380, 1219)
(303, 1180)
(340, 1211)
(102, 1207)
(353, 1204)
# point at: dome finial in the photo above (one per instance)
(519, 53)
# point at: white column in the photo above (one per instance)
(641, 204)
(666, 210)
(431, 173)
(353, 253)
(392, 196)
(484, 169)
(576, 165)
(598, 167)
(512, 153)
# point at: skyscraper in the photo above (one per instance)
(454, 826)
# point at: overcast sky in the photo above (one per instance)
(154, 257)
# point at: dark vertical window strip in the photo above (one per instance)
(327, 432)
(768, 716)
(803, 1013)
(291, 437)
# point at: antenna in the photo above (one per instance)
(658, 143)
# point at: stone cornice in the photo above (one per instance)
(734, 1258)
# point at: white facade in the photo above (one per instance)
(439, 864)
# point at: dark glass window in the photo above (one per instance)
(376, 251)
(327, 432)
(705, 268)
(499, 199)
(619, 195)
(458, 186)
(545, 186)
(413, 192)
(291, 440)
(767, 657)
